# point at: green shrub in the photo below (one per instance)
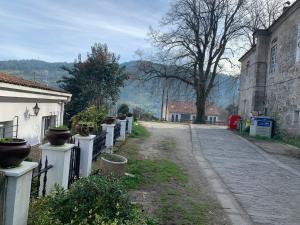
(123, 109)
(91, 115)
(139, 131)
(95, 200)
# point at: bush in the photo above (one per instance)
(95, 200)
(123, 109)
(89, 115)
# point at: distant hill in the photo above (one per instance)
(133, 92)
(37, 70)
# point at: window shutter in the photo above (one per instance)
(298, 46)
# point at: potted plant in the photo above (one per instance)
(109, 120)
(129, 114)
(58, 135)
(13, 151)
(113, 164)
(84, 128)
(122, 116)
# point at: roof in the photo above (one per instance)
(185, 107)
(182, 107)
(252, 49)
(5, 78)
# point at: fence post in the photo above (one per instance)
(123, 130)
(109, 128)
(17, 194)
(86, 153)
(59, 157)
(130, 120)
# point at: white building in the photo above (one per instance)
(28, 109)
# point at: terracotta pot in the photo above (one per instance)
(129, 114)
(113, 167)
(13, 153)
(109, 120)
(122, 117)
(58, 136)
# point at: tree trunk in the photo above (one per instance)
(200, 105)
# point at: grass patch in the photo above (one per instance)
(188, 210)
(138, 131)
(168, 144)
(149, 172)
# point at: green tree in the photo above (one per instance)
(123, 109)
(94, 81)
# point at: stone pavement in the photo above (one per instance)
(253, 186)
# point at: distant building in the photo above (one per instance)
(28, 109)
(183, 111)
(270, 77)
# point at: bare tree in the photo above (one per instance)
(195, 37)
(260, 14)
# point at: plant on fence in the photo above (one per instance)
(92, 116)
(96, 200)
(123, 109)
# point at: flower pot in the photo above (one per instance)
(13, 152)
(109, 120)
(84, 129)
(113, 164)
(122, 117)
(129, 114)
(58, 136)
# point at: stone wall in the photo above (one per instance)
(276, 93)
(247, 84)
(283, 86)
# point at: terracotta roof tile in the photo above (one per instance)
(5, 78)
(185, 107)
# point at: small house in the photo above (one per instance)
(28, 109)
(184, 111)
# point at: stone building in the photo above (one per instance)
(270, 72)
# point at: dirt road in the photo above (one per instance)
(173, 142)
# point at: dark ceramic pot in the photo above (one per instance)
(109, 120)
(58, 136)
(13, 153)
(122, 117)
(129, 114)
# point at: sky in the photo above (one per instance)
(58, 30)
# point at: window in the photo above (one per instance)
(296, 116)
(6, 129)
(48, 121)
(273, 59)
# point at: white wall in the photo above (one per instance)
(174, 114)
(212, 119)
(29, 129)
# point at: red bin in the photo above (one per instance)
(232, 121)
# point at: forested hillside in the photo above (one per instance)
(135, 94)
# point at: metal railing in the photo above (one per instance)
(74, 164)
(117, 131)
(99, 144)
(36, 179)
